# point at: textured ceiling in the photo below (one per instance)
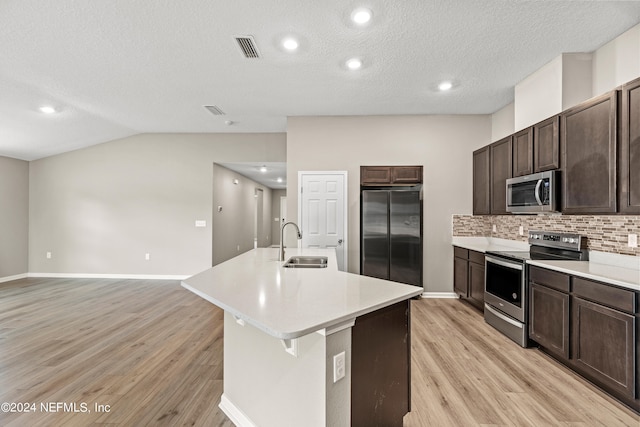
(120, 67)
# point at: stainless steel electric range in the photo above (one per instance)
(506, 293)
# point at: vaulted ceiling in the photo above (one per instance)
(115, 68)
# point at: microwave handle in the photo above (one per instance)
(537, 191)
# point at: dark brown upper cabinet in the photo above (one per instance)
(375, 175)
(501, 169)
(546, 145)
(406, 175)
(523, 152)
(481, 179)
(390, 175)
(629, 160)
(588, 141)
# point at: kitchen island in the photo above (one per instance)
(286, 330)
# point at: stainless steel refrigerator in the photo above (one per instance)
(391, 234)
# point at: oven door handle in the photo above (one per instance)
(503, 263)
(502, 316)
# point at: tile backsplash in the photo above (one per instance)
(605, 233)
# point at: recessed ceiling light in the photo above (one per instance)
(263, 169)
(290, 44)
(47, 109)
(444, 86)
(354, 64)
(361, 16)
(279, 179)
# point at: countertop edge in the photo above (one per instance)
(589, 275)
(300, 333)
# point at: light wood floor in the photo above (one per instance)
(152, 351)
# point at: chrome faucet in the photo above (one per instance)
(281, 253)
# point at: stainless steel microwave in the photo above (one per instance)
(536, 193)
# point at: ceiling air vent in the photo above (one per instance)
(215, 110)
(248, 46)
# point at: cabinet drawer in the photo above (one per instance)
(552, 279)
(460, 252)
(610, 296)
(477, 257)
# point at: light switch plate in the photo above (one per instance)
(632, 241)
(201, 223)
(339, 367)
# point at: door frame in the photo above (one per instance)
(345, 220)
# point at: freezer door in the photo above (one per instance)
(375, 234)
(405, 237)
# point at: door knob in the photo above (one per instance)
(339, 241)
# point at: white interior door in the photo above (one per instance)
(322, 212)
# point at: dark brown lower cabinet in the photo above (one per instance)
(381, 367)
(468, 276)
(590, 326)
(549, 319)
(603, 343)
(476, 284)
(461, 276)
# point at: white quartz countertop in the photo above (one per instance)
(291, 302)
(484, 244)
(628, 278)
(619, 270)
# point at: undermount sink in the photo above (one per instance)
(306, 262)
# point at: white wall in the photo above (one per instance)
(233, 227)
(575, 77)
(442, 144)
(617, 62)
(100, 209)
(539, 96)
(558, 85)
(14, 217)
(502, 122)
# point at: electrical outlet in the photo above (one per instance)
(632, 241)
(494, 228)
(339, 367)
(201, 223)
(238, 248)
(48, 255)
(521, 230)
(147, 257)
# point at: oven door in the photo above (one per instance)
(505, 286)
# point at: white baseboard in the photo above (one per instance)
(109, 276)
(235, 415)
(10, 278)
(439, 295)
